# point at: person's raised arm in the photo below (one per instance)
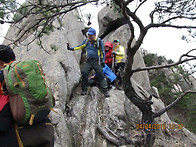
(81, 46)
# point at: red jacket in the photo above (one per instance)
(108, 57)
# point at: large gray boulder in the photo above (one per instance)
(109, 17)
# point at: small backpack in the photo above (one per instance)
(30, 98)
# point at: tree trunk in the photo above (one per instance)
(143, 104)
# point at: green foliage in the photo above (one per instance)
(53, 47)
(184, 104)
(1, 14)
(170, 61)
(153, 59)
(47, 29)
(160, 60)
(17, 17)
(21, 12)
(177, 78)
(159, 79)
(190, 36)
(6, 9)
(188, 104)
(165, 85)
(180, 69)
(116, 8)
(176, 119)
(149, 59)
(192, 123)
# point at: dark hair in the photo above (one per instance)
(116, 41)
(6, 54)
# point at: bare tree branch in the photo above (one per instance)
(46, 13)
(169, 26)
(180, 61)
(160, 112)
(36, 8)
(140, 5)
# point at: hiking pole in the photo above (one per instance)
(113, 63)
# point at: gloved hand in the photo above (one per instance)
(102, 64)
(113, 52)
(68, 46)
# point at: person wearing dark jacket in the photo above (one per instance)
(7, 131)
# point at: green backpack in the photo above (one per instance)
(30, 98)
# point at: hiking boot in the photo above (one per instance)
(84, 92)
(106, 94)
(113, 87)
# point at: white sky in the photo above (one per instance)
(3, 31)
(167, 44)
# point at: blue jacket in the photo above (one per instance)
(94, 50)
(108, 73)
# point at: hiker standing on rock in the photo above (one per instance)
(95, 60)
(119, 53)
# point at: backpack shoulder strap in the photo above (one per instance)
(1, 76)
(97, 40)
(98, 46)
(1, 82)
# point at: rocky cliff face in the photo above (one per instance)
(79, 116)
